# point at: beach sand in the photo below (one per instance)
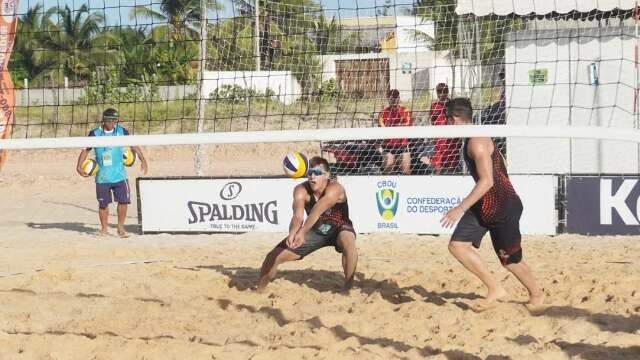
(66, 293)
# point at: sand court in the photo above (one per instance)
(66, 293)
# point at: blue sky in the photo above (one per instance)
(117, 11)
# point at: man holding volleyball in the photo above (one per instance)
(327, 224)
(111, 179)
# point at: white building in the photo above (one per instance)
(405, 61)
(569, 73)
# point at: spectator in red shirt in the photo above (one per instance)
(395, 151)
(446, 152)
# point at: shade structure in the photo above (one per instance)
(538, 7)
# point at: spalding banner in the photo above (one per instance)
(215, 205)
(8, 23)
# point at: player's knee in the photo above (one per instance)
(389, 159)
(514, 258)
(347, 242)
(456, 247)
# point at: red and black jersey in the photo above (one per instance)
(446, 153)
(501, 199)
(337, 215)
(395, 116)
(437, 112)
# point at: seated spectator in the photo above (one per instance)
(495, 114)
(353, 156)
(421, 153)
(446, 152)
(396, 153)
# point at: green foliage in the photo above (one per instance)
(327, 90)
(236, 94)
(111, 91)
(443, 14)
(492, 29)
(182, 16)
(232, 45)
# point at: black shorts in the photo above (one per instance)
(315, 240)
(395, 150)
(505, 235)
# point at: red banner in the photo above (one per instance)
(8, 24)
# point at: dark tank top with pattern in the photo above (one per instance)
(501, 199)
(336, 216)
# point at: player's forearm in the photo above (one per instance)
(138, 152)
(309, 222)
(81, 158)
(295, 224)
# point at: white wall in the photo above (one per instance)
(435, 64)
(283, 83)
(406, 27)
(568, 99)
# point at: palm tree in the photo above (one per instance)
(182, 16)
(176, 62)
(75, 44)
(27, 44)
(136, 48)
(327, 34)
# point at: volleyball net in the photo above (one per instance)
(562, 79)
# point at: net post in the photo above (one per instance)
(257, 34)
(201, 101)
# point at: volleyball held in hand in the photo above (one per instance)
(128, 157)
(90, 167)
(295, 165)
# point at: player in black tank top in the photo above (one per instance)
(337, 215)
(327, 223)
(492, 206)
(501, 199)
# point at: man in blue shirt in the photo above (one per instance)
(111, 179)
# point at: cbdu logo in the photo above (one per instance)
(388, 200)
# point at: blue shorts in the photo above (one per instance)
(107, 192)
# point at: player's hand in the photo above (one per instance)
(298, 240)
(451, 217)
(81, 172)
(144, 167)
(290, 239)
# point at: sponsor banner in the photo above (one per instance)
(216, 205)
(8, 24)
(415, 204)
(603, 205)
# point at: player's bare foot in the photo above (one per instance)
(492, 299)
(123, 234)
(495, 294)
(482, 305)
(103, 233)
(346, 288)
(536, 302)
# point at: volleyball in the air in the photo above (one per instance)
(90, 167)
(295, 165)
(128, 157)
